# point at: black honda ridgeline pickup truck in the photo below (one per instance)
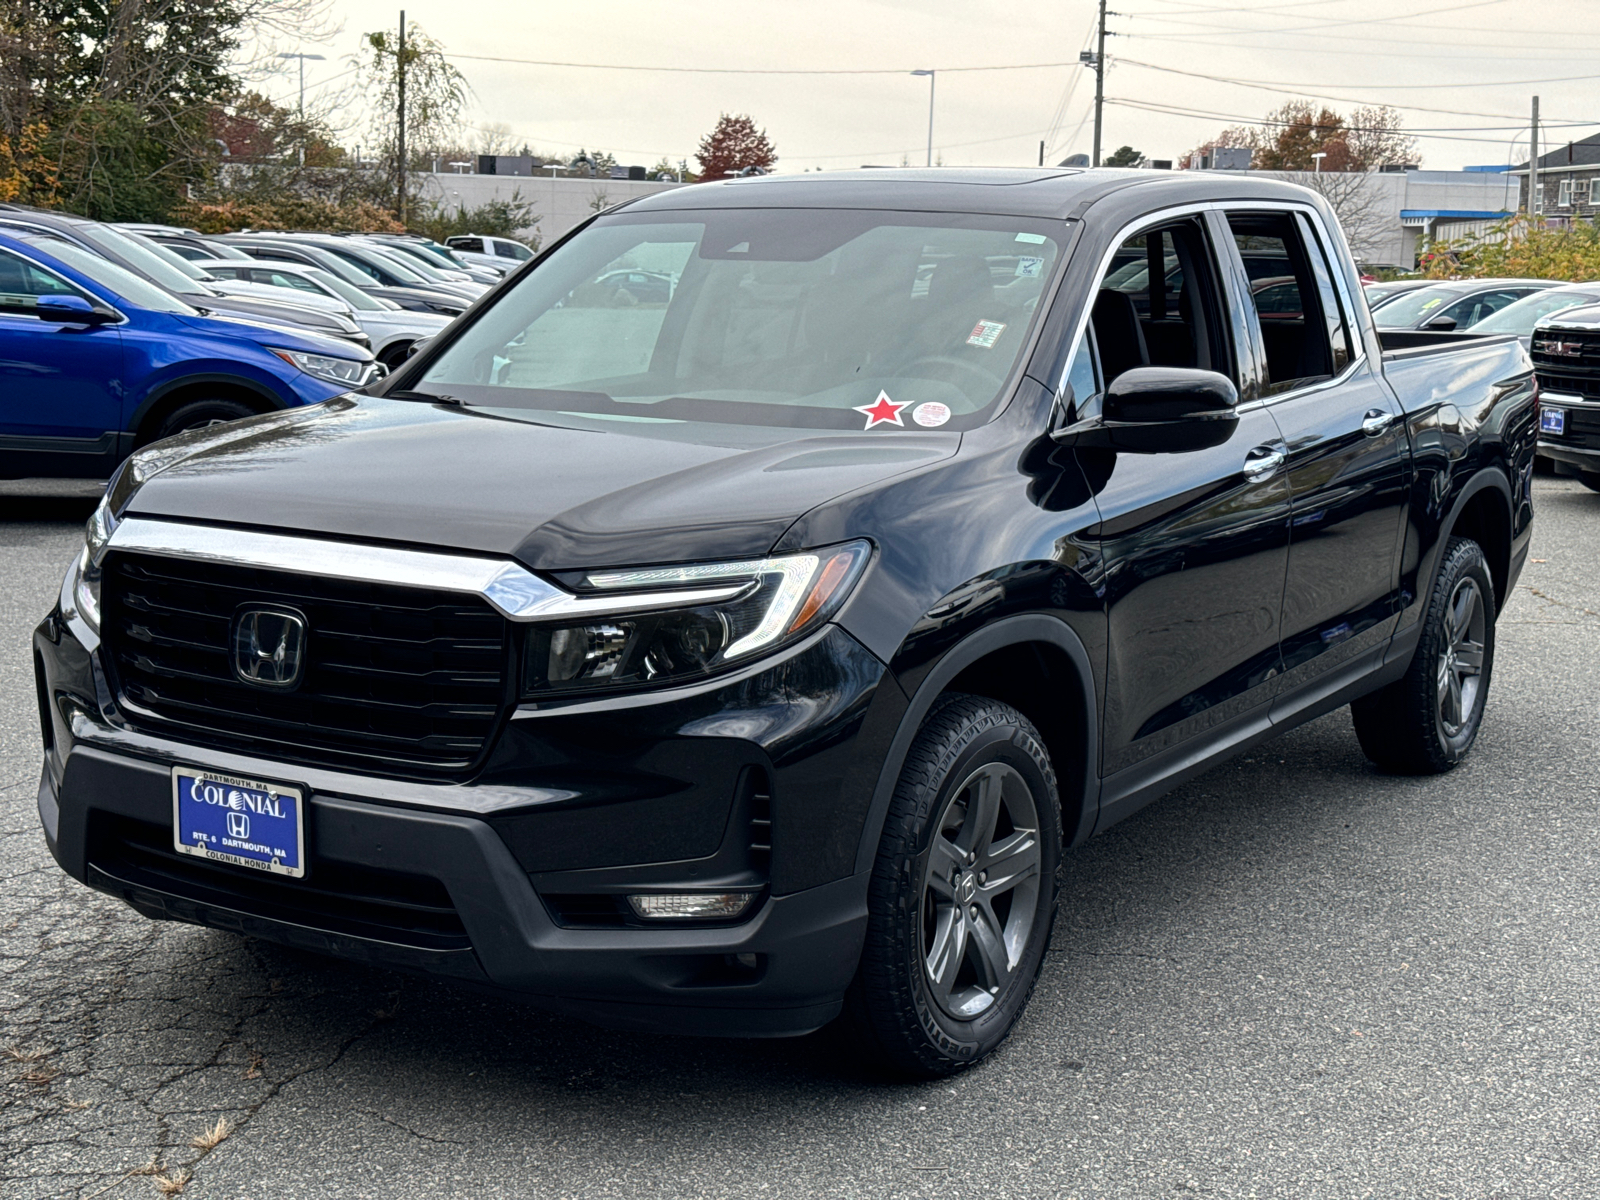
(744, 648)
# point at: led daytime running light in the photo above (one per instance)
(795, 602)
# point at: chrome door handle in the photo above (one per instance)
(1262, 463)
(1376, 421)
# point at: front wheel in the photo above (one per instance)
(1590, 480)
(1425, 722)
(963, 892)
(202, 414)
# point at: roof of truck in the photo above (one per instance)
(1022, 192)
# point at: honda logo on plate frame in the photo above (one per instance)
(269, 647)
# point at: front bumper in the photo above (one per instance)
(446, 878)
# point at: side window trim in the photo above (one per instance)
(1357, 336)
(1202, 215)
(1249, 353)
(1336, 318)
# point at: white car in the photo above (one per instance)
(393, 330)
(498, 253)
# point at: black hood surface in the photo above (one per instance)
(551, 496)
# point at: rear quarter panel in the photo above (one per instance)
(1470, 413)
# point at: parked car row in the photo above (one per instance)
(113, 336)
(1559, 323)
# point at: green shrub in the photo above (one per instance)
(1516, 249)
(497, 218)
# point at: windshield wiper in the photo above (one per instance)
(408, 394)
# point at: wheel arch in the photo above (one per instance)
(168, 396)
(1483, 512)
(1037, 664)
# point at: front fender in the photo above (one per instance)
(1021, 629)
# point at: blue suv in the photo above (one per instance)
(96, 362)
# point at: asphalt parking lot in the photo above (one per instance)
(1295, 977)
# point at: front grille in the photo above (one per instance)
(398, 680)
(1572, 383)
(338, 897)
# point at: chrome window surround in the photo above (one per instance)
(1178, 212)
(514, 591)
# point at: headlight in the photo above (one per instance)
(781, 599)
(326, 366)
(81, 595)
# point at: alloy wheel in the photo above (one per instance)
(980, 890)
(1460, 673)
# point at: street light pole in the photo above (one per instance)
(930, 75)
(302, 58)
(1318, 157)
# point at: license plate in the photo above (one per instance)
(240, 821)
(1552, 420)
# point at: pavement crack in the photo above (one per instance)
(426, 1137)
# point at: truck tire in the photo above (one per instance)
(962, 895)
(1425, 722)
(198, 414)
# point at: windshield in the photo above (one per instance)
(348, 292)
(124, 283)
(1408, 308)
(146, 261)
(397, 255)
(192, 269)
(381, 262)
(425, 256)
(1520, 317)
(800, 318)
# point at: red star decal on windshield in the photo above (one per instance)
(882, 411)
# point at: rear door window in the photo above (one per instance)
(1303, 328)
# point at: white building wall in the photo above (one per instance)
(1388, 194)
(560, 203)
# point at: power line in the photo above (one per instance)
(1443, 134)
(1586, 57)
(1291, 90)
(533, 62)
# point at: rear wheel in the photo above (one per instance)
(202, 414)
(963, 893)
(1425, 722)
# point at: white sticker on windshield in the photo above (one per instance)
(986, 334)
(1029, 268)
(932, 414)
(1033, 239)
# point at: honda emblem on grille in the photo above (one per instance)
(269, 647)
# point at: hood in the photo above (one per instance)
(269, 334)
(555, 498)
(1586, 318)
(273, 310)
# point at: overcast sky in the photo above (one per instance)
(1473, 59)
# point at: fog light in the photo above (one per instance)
(704, 906)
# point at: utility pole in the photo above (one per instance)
(400, 69)
(1099, 81)
(1533, 166)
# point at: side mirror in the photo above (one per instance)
(1151, 394)
(1164, 410)
(71, 310)
(1442, 324)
